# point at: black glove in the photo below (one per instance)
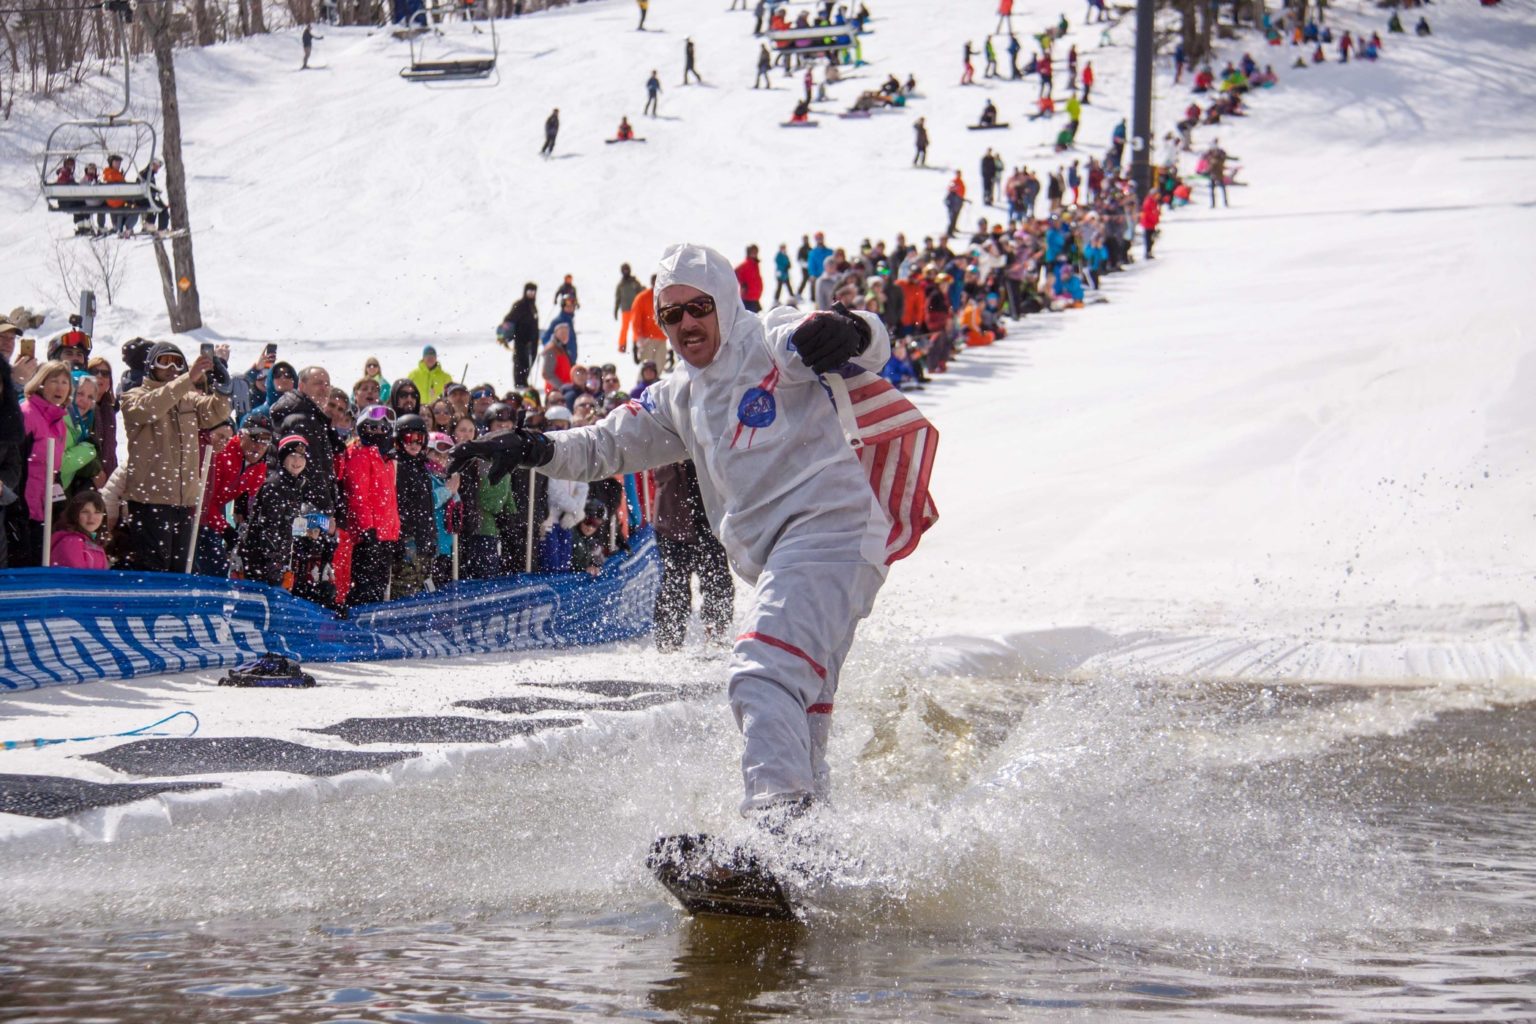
(505, 452)
(827, 340)
(218, 377)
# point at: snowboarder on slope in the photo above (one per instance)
(749, 403)
(688, 68)
(551, 129)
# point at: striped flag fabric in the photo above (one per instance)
(896, 446)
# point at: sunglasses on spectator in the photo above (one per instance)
(672, 315)
(169, 361)
(482, 393)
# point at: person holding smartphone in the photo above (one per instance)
(162, 418)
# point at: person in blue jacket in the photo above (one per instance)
(781, 266)
(567, 316)
(277, 371)
(818, 258)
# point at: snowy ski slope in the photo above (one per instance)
(1300, 444)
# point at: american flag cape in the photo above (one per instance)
(895, 445)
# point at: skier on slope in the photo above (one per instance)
(781, 486)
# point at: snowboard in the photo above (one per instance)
(707, 877)
(798, 124)
(612, 141)
(854, 113)
(987, 127)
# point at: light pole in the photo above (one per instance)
(1141, 106)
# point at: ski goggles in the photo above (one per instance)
(413, 437)
(80, 341)
(170, 361)
(480, 393)
(376, 413)
(441, 443)
(671, 316)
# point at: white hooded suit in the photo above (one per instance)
(788, 499)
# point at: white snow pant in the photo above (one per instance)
(784, 669)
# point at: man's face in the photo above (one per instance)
(282, 383)
(254, 443)
(317, 387)
(695, 339)
(8, 343)
(74, 355)
(430, 358)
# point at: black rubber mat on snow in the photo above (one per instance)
(200, 756)
(606, 687)
(441, 729)
(532, 705)
(53, 796)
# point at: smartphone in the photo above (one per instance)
(207, 350)
(29, 348)
(269, 356)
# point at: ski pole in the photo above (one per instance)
(197, 508)
(48, 511)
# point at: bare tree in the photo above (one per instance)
(178, 282)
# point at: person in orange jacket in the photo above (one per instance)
(650, 343)
(370, 516)
(113, 175)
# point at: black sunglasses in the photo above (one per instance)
(698, 308)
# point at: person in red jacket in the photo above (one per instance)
(237, 471)
(370, 518)
(1087, 81)
(1150, 215)
(750, 276)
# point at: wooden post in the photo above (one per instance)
(197, 509)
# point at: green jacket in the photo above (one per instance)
(79, 453)
(624, 295)
(430, 382)
(494, 500)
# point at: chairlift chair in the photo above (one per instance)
(427, 36)
(93, 140)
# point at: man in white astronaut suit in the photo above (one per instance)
(782, 488)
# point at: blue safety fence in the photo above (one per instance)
(61, 626)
